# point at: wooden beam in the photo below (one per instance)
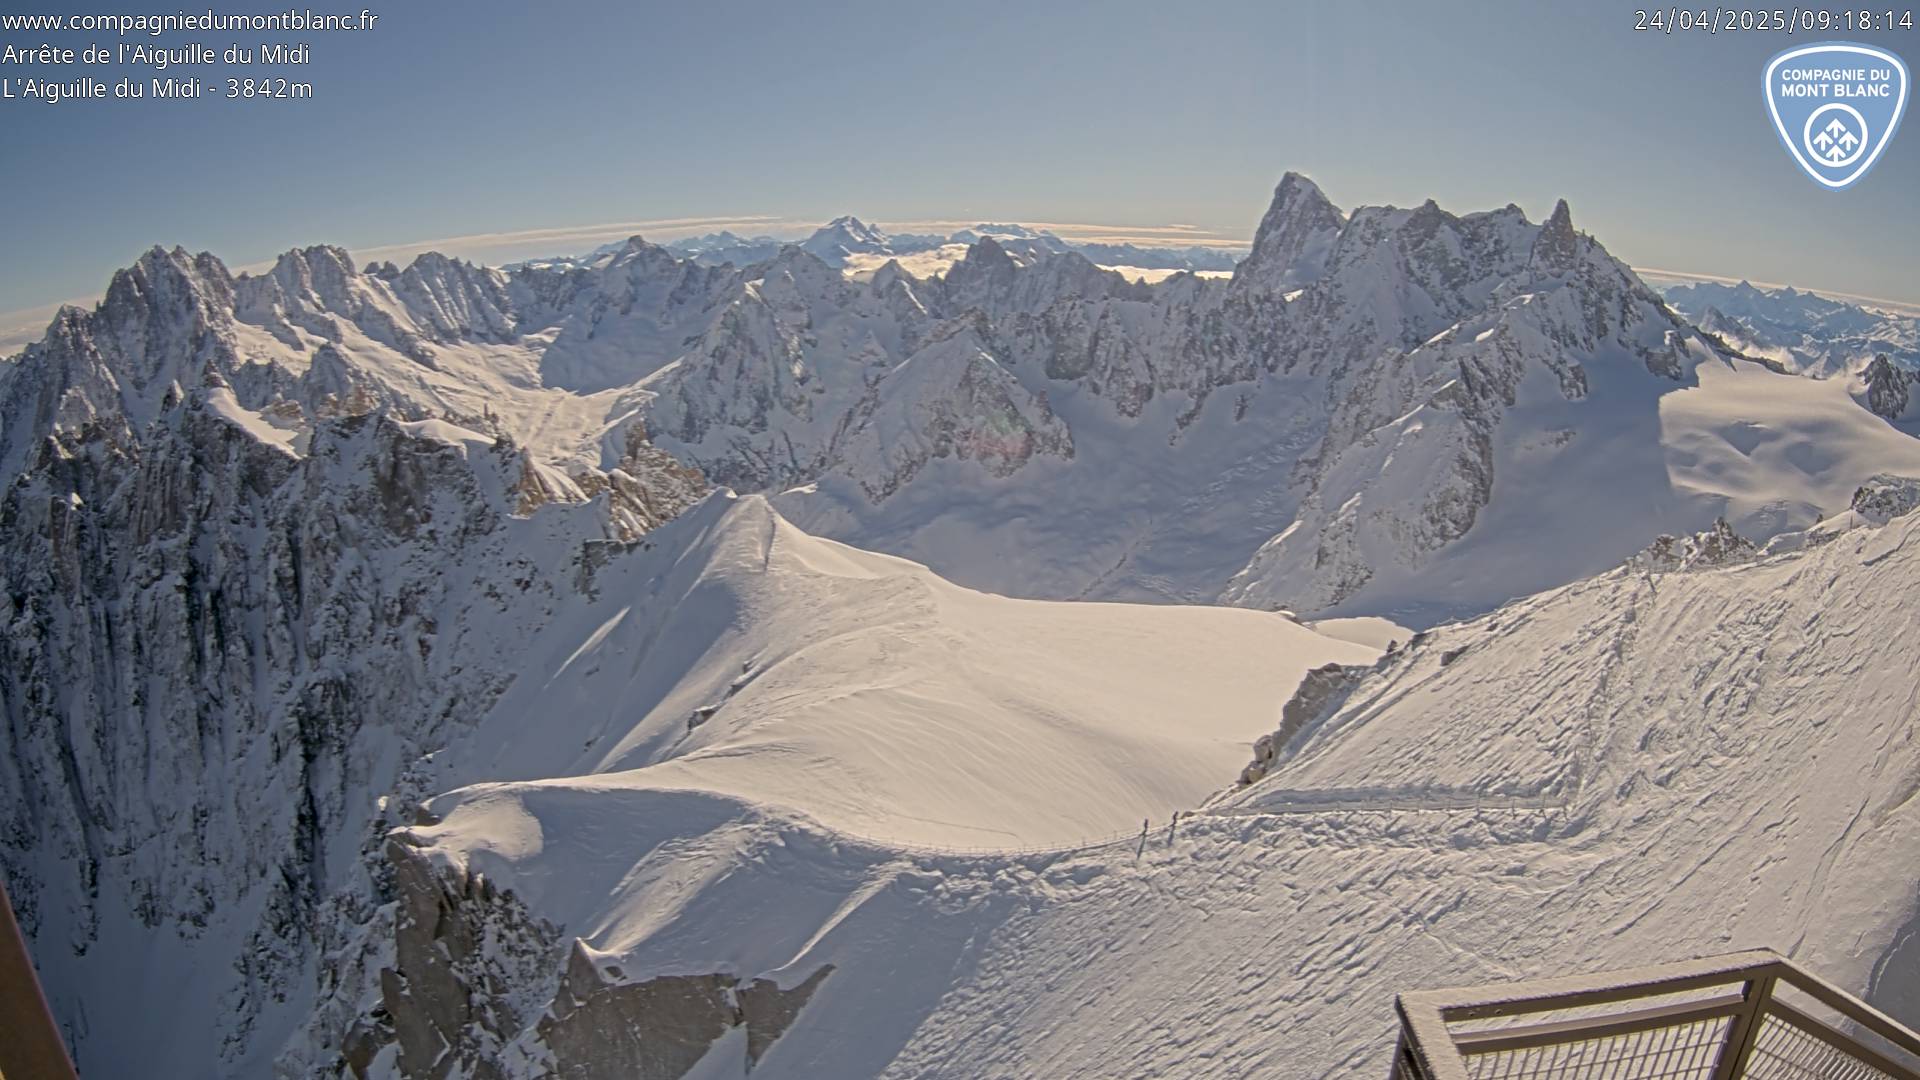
(31, 1047)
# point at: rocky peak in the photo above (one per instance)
(1291, 245)
(456, 299)
(986, 253)
(848, 225)
(795, 278)
(1557, 248)
(890, 274)
(161, 317)
(322, 274)
(167, 286)
(1888, 388)
(843, 236)
(991, 279)
(985, 267)
(640, 258)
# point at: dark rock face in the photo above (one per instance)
(660, 1028)
(654, 1030)
(1557, 249)
(1317, 695)
(1885, 497)
(1291, 244)
(458, 944)
(472, 967)
(1889, 388)
(219, 652)
(1717, 546)
(768, 1011)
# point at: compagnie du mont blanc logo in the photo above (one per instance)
(1836, 106)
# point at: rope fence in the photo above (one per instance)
(1271, 804)
(1130, 836)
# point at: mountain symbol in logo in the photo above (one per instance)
(1836, 145)
(1836, 106)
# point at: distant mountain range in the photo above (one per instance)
(1808, 333)
(847, 243)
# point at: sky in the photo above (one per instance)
(507, 130)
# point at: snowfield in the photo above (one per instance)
(1725, 760)
(802, 677)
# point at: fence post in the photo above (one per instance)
(1731, 1064)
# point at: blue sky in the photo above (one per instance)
(487, 118)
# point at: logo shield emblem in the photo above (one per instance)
(1836, 106)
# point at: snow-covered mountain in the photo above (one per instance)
(1648, 765)
(1398, 412)
(1388, 412)
(833, 242)
(287, 554)
(235, 660)
(1809, 333)
(228, 635)
(850, 244)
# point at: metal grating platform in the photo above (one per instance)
(1747, 1016)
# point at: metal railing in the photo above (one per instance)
(1746, 1015)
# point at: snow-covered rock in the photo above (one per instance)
(1291, 246)
(1885, 497)
(1717, 546)
(227, 638)
(844, 236)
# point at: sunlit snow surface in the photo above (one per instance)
(1726, 759)
(770, 669)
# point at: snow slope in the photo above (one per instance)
(862, 692)
(1579, 485)
(1724, 760)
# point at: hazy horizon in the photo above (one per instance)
(1096, 113)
